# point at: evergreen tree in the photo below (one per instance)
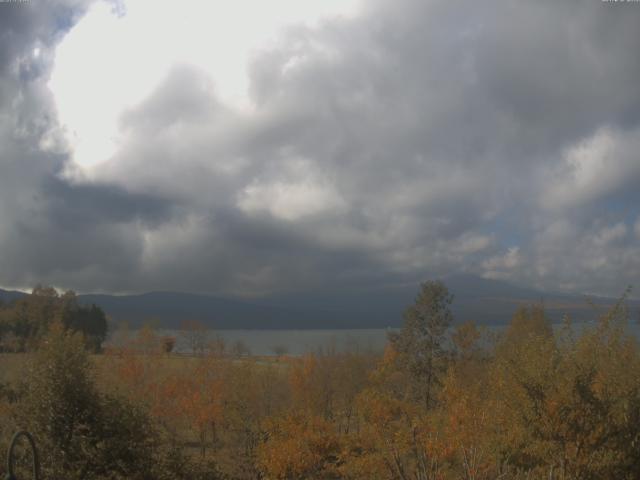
(420, 342)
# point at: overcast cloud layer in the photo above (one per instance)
(416, 139)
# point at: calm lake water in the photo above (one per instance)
(299, 342)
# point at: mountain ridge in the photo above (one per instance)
(485, 301)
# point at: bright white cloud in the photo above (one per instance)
(502, 266)
(472, 243)
(289, 201)
(113, 59)
(593, 168)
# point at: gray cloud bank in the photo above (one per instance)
(421, 138)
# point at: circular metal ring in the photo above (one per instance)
(10, 455)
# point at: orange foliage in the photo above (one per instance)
(299, 447)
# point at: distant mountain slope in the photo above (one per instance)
(170, 309)
(485, 301)
(8, 296)
(489, 302)
(494, 301)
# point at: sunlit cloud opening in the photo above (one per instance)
(113, 59)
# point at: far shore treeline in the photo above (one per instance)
(444, 401)
(26, 320)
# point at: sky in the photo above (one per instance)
(253, 148)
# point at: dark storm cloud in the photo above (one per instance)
(418, 139)
(74, 206)
(52, 230)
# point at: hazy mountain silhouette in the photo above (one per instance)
(7, 296)
(489, 302)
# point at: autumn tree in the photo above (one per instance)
(466, 339)
(465, 417)
(326, 385)
(528, 321)
(395, 438)
(299, 447)
(147, 341)
(570, 409)
(195, 334)
(253, 393)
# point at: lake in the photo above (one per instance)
(299, 342)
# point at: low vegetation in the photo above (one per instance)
(440, 403)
